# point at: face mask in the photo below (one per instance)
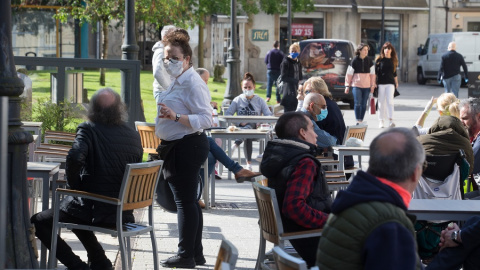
(323, 114)
(174, 67)
(248, 93)
(294, 55)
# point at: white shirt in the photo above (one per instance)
(187, 95)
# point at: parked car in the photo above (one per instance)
(468, 44)
(329, 59)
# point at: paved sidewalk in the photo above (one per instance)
(235, 217)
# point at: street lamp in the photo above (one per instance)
(382, 34)
(233, 62)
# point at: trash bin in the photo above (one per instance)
(30, 67)
(73, 87)
(473, 84)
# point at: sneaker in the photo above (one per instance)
(259, 158)
(391, 124)
(234, 147)
(249, 167)
(268, 99)
(380, 124)
(178, 262)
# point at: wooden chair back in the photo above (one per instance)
(227, 253)
(58, 136)
(357, 131)
(285, 261)
(150, 141)
(138, 190)
(269, 213)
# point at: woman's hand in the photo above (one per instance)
(166, 112)
(347, 89)
(429, 105)
(372, 88)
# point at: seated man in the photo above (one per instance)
(315, 108)
(292, 170)
(95, 164)
(369, 227)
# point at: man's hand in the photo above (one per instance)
(446, 236)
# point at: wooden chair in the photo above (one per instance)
(285, 261)
(357, 131)
(271, 227)
(58, 136)
(228, 254)
(150, 141)
(137, 191)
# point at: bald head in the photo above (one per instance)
(313, 98)
(204, 74)
(452, 46)
(106, 107)
(105, 98)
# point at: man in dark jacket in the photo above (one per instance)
(96, 163)
(450, 70)
(273, 59)
(369, 227)
(292, 170)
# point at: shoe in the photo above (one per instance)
(218, 177)
(380, 125)
(249, 167)
(201, 203)
(200, 260)
(234, 147)
(178, 262)
(268, 99)
(259, 158)
(80, 266)
(102, 264)
(245, 175)
(391, 124)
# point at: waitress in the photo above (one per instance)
(183, 112)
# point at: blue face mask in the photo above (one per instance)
(294, 55)
(323, 114)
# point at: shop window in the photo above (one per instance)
(371, 31)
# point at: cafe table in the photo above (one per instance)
(342, 151)
(435, 209)
(235, 119)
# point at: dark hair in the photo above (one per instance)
(393, 55)
(289, 124)
(276, 44)
(249, 77)
(397, 160)
(178, 37)
(360, 47)
(105, 111)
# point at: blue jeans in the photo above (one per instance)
(217, 153)
(360, 96)
(272, 76)
(452, 84)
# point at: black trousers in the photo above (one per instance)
(181, 169)
(43, 222)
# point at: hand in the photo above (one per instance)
(372, 89)
(347, 89)
(166, 112)
(213, 104)
(429, 105)
(446, 236)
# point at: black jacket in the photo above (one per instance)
(385, 71)
(450, 66)
(291, 74)
(96, 163)
(334, 122)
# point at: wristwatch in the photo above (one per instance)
(455, 237)
(177, 117)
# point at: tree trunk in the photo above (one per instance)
(200, 44)
(104, 49)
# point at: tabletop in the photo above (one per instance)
(430, 209)
(248, 119)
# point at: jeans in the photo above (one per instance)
(181, 169)
(272, 76)
(452, 84)
(43, 222)
(360, 96)
(217, 153)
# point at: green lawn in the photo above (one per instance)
(41, 87)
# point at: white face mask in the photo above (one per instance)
(248, 93)
(173, 67)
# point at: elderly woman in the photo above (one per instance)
(183, 112)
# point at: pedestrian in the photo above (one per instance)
(95, 164)
(273, 59)
(247, 104)
(369, 227)
(291, 74)
(361, 78)
(387, 81)
(449, 72)
(184, 111)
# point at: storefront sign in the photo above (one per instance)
(302, 29)
(259, 35)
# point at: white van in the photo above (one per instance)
(468, 44)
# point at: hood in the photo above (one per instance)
(445, 122)
(280, 152)
(366, 188)
(157, 45)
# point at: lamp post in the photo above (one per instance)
(382, 34)
(18, 248)
(289, 23)
(233, 62)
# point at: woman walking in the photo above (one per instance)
(386, 70)
(291, 74)
(183, 112)
(361, 77)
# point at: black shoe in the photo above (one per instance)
(80, 266)
(200, 260)
(104, 264)
(178, 262)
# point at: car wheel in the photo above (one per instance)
(420, 78)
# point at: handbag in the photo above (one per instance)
(371, 102)
(396, 93)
